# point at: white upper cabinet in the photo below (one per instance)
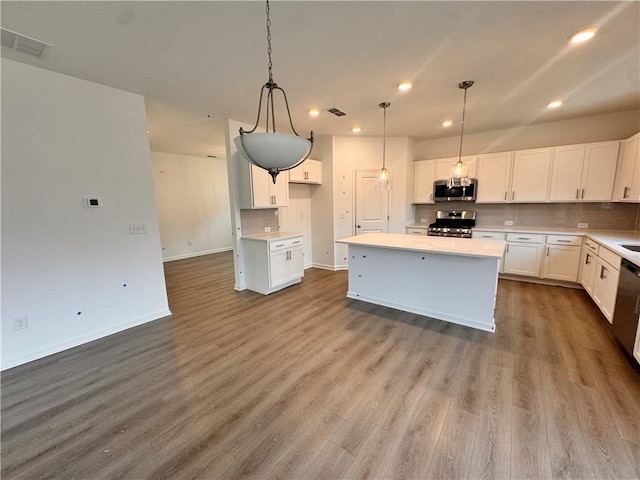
(530, 177)
(423, 178)
(257, 189)
(309, 171)
(627, 187)
(494, 176)
(584, 172)
(444, 166)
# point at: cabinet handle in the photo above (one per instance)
(524, 238)
(602, 270)
(281, 245)
(513, 195)
(637, 309)
(507, 248)
(564, 241)
(626, 192)
(505, 195)
(487, 236)
(547, 251)
(577, 193)
(582, 196)
(431, 197)
(587, 259)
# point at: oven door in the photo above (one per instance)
(443, 193)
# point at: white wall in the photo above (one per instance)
(322, 228)
(192, 197)
(613, 126)
(65, 266)
(297, 217)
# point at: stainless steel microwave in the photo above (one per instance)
(442, 192)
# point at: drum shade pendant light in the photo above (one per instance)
(383, 177)
(271, 150)
(459, 174)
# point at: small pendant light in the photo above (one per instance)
(459, 174)
(270, 150)
(383, 176)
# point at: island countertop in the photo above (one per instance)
(444, 245)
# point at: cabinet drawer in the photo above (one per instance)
(417, 231)
(564, 240)
(611, 258)
(282, 244)
(488, 235)
(591, 245)
(525, 237)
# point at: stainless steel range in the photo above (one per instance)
(452, 223)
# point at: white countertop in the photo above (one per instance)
(442, 245)
(267, 237)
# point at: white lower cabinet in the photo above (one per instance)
(484, 235)
(589, 259)
(605, 285)
(272, 264)
(523, 255)
(562, 257)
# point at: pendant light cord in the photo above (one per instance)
(384, 106)
(464, 108)
(270, 64)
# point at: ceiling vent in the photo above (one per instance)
(22, 43)
(336, 111)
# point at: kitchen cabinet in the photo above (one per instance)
(309, 171)
(584, 172)
(523, 255)
(530, 175)
(444, 166)
(484, 235)
(627, 186)
(589, 258)
(494, 176)
(271, 265)
(257, 189)
(416, 231)
(605, 285)
(423, 178)
(562, 257)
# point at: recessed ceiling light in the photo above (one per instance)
(583, 35)
(447, 123)
(404, 86)
(356, 129)
(555, 104)
(314, 112)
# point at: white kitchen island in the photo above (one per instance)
(452, 279)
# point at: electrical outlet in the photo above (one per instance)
(583, 225)
(189, 243)
(267, 229)
(137, 228)
(508, 223)
(20, 323)
(423, 220)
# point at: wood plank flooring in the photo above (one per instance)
(307, 384)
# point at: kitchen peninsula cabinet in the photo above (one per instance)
(257, 189)
(309, 171)
(273, 261)
(584, 173)
(627, 187)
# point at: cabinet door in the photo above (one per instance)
(588, 272)
(444, 166)
(423, 171)
(627, 187)
(278, 267)
(280, 190)
(599, 171)
(295, 264)
(567, 173)
(530, 178)
(261, 187)
(523, 259)
(298, 174)
(561, 263)
(605, 288)
(314, 171)
(494, 171)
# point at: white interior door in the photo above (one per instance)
(372, 203)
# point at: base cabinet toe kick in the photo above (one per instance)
(428, 276)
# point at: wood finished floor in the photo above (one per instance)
(307, 384)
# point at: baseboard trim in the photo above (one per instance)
(197, 254)
(81, 340)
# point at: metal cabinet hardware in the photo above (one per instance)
(582, 196)
(602, 270)
(505, 195)
(637, 309)
(587, 259)
(577, 193)
(547, 251)
(513, 195)
(626, 192)
(564, 241)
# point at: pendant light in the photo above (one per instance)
(383, 176)
(271, 150)
(459, 174)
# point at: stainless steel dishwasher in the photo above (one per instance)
(627, 310)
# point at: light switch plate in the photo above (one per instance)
(583, 225)
(508, 223)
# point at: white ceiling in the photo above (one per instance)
(200, 62)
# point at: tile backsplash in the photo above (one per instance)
(252, 222)
(599, 216)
